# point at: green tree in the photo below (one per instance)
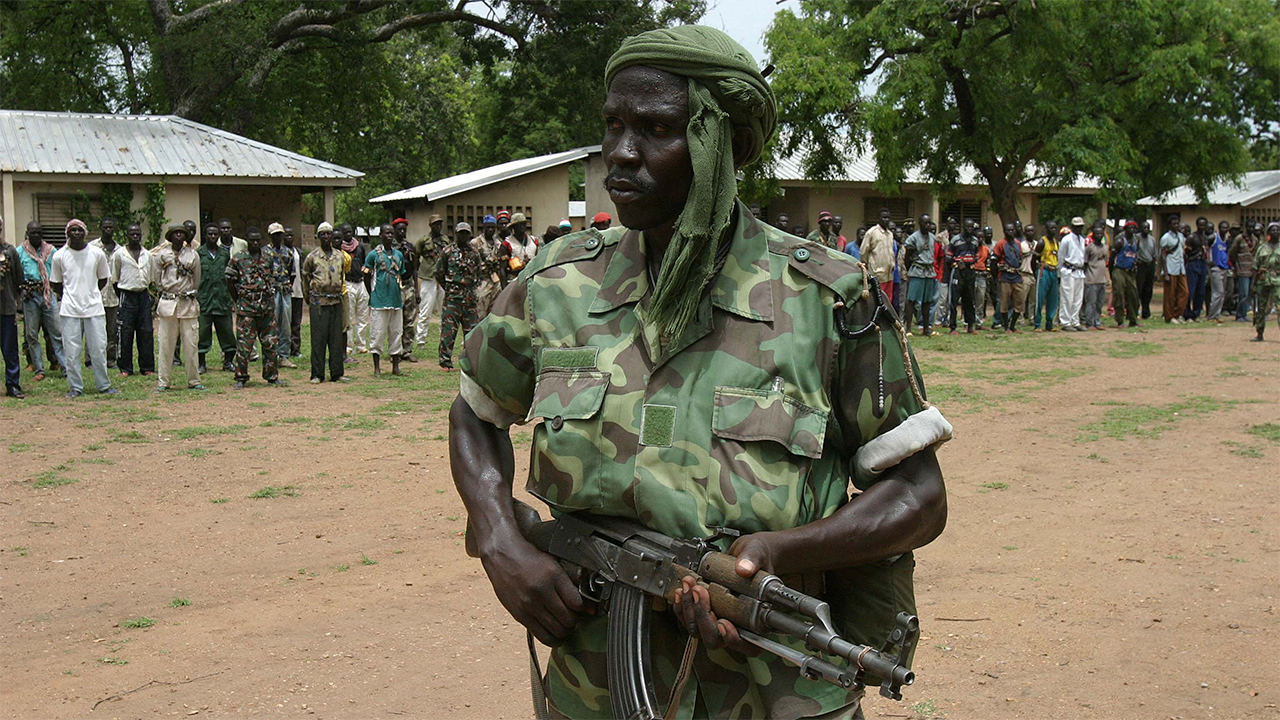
(1145, 96)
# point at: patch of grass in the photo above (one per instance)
(960, 396)
(1096, 456)
(179, 602)
(52, 478)
(440, 437)
(195, 431)
(1266, 431)
(1127, 421)
(200, 452)
(397, 552)
(1127, 349)
(19, 447)
(365, 560)
(343, 567)
(22, 552)
(111, 660)
(93, 447)
(220, 501)
(1247, 451)
(138, 622)
(996, 486)
(303, 572)
(128, 436)
(259, 405)
(95, 461)
(275, 491)
(1010, 547)
(395, 407)
(927, 709)
(364, 423)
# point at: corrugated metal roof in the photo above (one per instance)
(1253, 187)
(159, 145)
(485, 176)
(862, 169)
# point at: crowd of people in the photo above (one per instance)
(1064, 278)
(93, 303)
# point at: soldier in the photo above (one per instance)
(387, 272)
(409, 291)
(10, 303)
(677, 386)
(1124, 279)
(215, 302)
(504, 224)
(824, 234)
(492, 273)
(251, 283)
(324, 276)
(429, 249)
(176, 269)
(282, 274)
(1266, 278)
(458, 274)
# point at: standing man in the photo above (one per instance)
(385, 266)
(823, 234)
(131, 278)
(963, 254)
(1241, 258)
(1071, 272)
(504, 224)
(837, 226)
(877, 252)
(1266, 277)
(601, 221)
(39, 302)
(10, 301)
(1047, 282)
(409, 294)
(106, 242)
(77, 275)
(1012, 290)
(1197, 247)
(282, 274)
(234, 245)
(520, 248)
(324, 274)
(215, 301)
(942, 260)
(254, 287)
(429, 249)
(458, 274)
(295, 297)
(783, 222)
(1095, 276)
(1124, 274)
(1148, 255)
(357, 296)
(1173, 270)
(1219, 272)
(623, 431)
(176, 269)
(922, 283)
(489, 253)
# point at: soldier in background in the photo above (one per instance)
(409, 292)
(458, 273)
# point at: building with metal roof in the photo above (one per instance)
(55, 165)
(1254, 198)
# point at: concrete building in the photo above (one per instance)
(56, 165)
(536, 186)
(1255, 198)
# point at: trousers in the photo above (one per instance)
(37, 314)
(1268, 297)
(980, 297)
(1217, 291)
(284, 321)
(1071, 296)
(1095, 298)
(1175, 297)
(9, 347)
(459, 310)
(261, 328)
(942, 305)
(388, 331)
(326, 339)
(962, 295)
(81, 335)
(226, 336)
(1243, 299)
(295, 326)
(1146, 286)
(1046, 298)
(113, 316)
(171, 330)
(1196, 276)
(428, 297)
(134, 324)
(357, 317)
(409, 317)
(1124, 295)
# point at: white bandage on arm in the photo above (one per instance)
(484, 407)
(923, 430)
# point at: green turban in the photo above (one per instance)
(726, 90)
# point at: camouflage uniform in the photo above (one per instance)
(408, 293)
(254, 308)
(750, 420)
(458, 273)
(492, 271)
(1266, 283)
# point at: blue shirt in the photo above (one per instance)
(31, 265)
(1127, 257)
(852, 248)
(1219, 253)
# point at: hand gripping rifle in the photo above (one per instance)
(617, 563)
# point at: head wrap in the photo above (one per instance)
(565, 224)
(824, 215)
(73, 222)
(398, 221)
(503, 214)
(321, 227)
(489, 220)
(601, 217)
(726, 90)
(1131, 224)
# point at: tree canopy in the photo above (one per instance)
(1144, 96)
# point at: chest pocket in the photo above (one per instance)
(765, 443)
(566, 457)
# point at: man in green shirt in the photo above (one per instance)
(215, 301)
(251, 283)
(695, 368)
(1266, 278)
(387, 271)
(824, 233)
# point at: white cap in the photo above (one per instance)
(274, 228)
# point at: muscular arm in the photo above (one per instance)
(528, 583)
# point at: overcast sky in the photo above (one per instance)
(745, 21)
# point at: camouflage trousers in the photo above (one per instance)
(263, 329)
(408, 330)
(1266, 298)
(456, 310)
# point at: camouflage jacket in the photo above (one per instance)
(750, 420)
(254, 283)
(459, 270)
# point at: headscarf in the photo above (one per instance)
(726, 90)
(323, 226)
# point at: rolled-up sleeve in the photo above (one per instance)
(498, 369)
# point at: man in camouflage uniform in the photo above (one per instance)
(492, 266)
(251, 282)
(696, 368)
(409, 293)
(1266, 278)
(458, 273)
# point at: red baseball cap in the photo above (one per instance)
(601, 217)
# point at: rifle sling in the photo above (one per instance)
(540, 711)
(682, 677)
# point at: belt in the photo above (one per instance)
(177, 296)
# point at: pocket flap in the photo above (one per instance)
(749, 414)
(568, 394)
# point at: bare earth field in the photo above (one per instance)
(1113, 549)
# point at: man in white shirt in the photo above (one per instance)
(77, 276)
(131, 278)
(1071, 265)
(295, 313)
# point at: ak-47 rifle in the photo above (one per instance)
(617, 562)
